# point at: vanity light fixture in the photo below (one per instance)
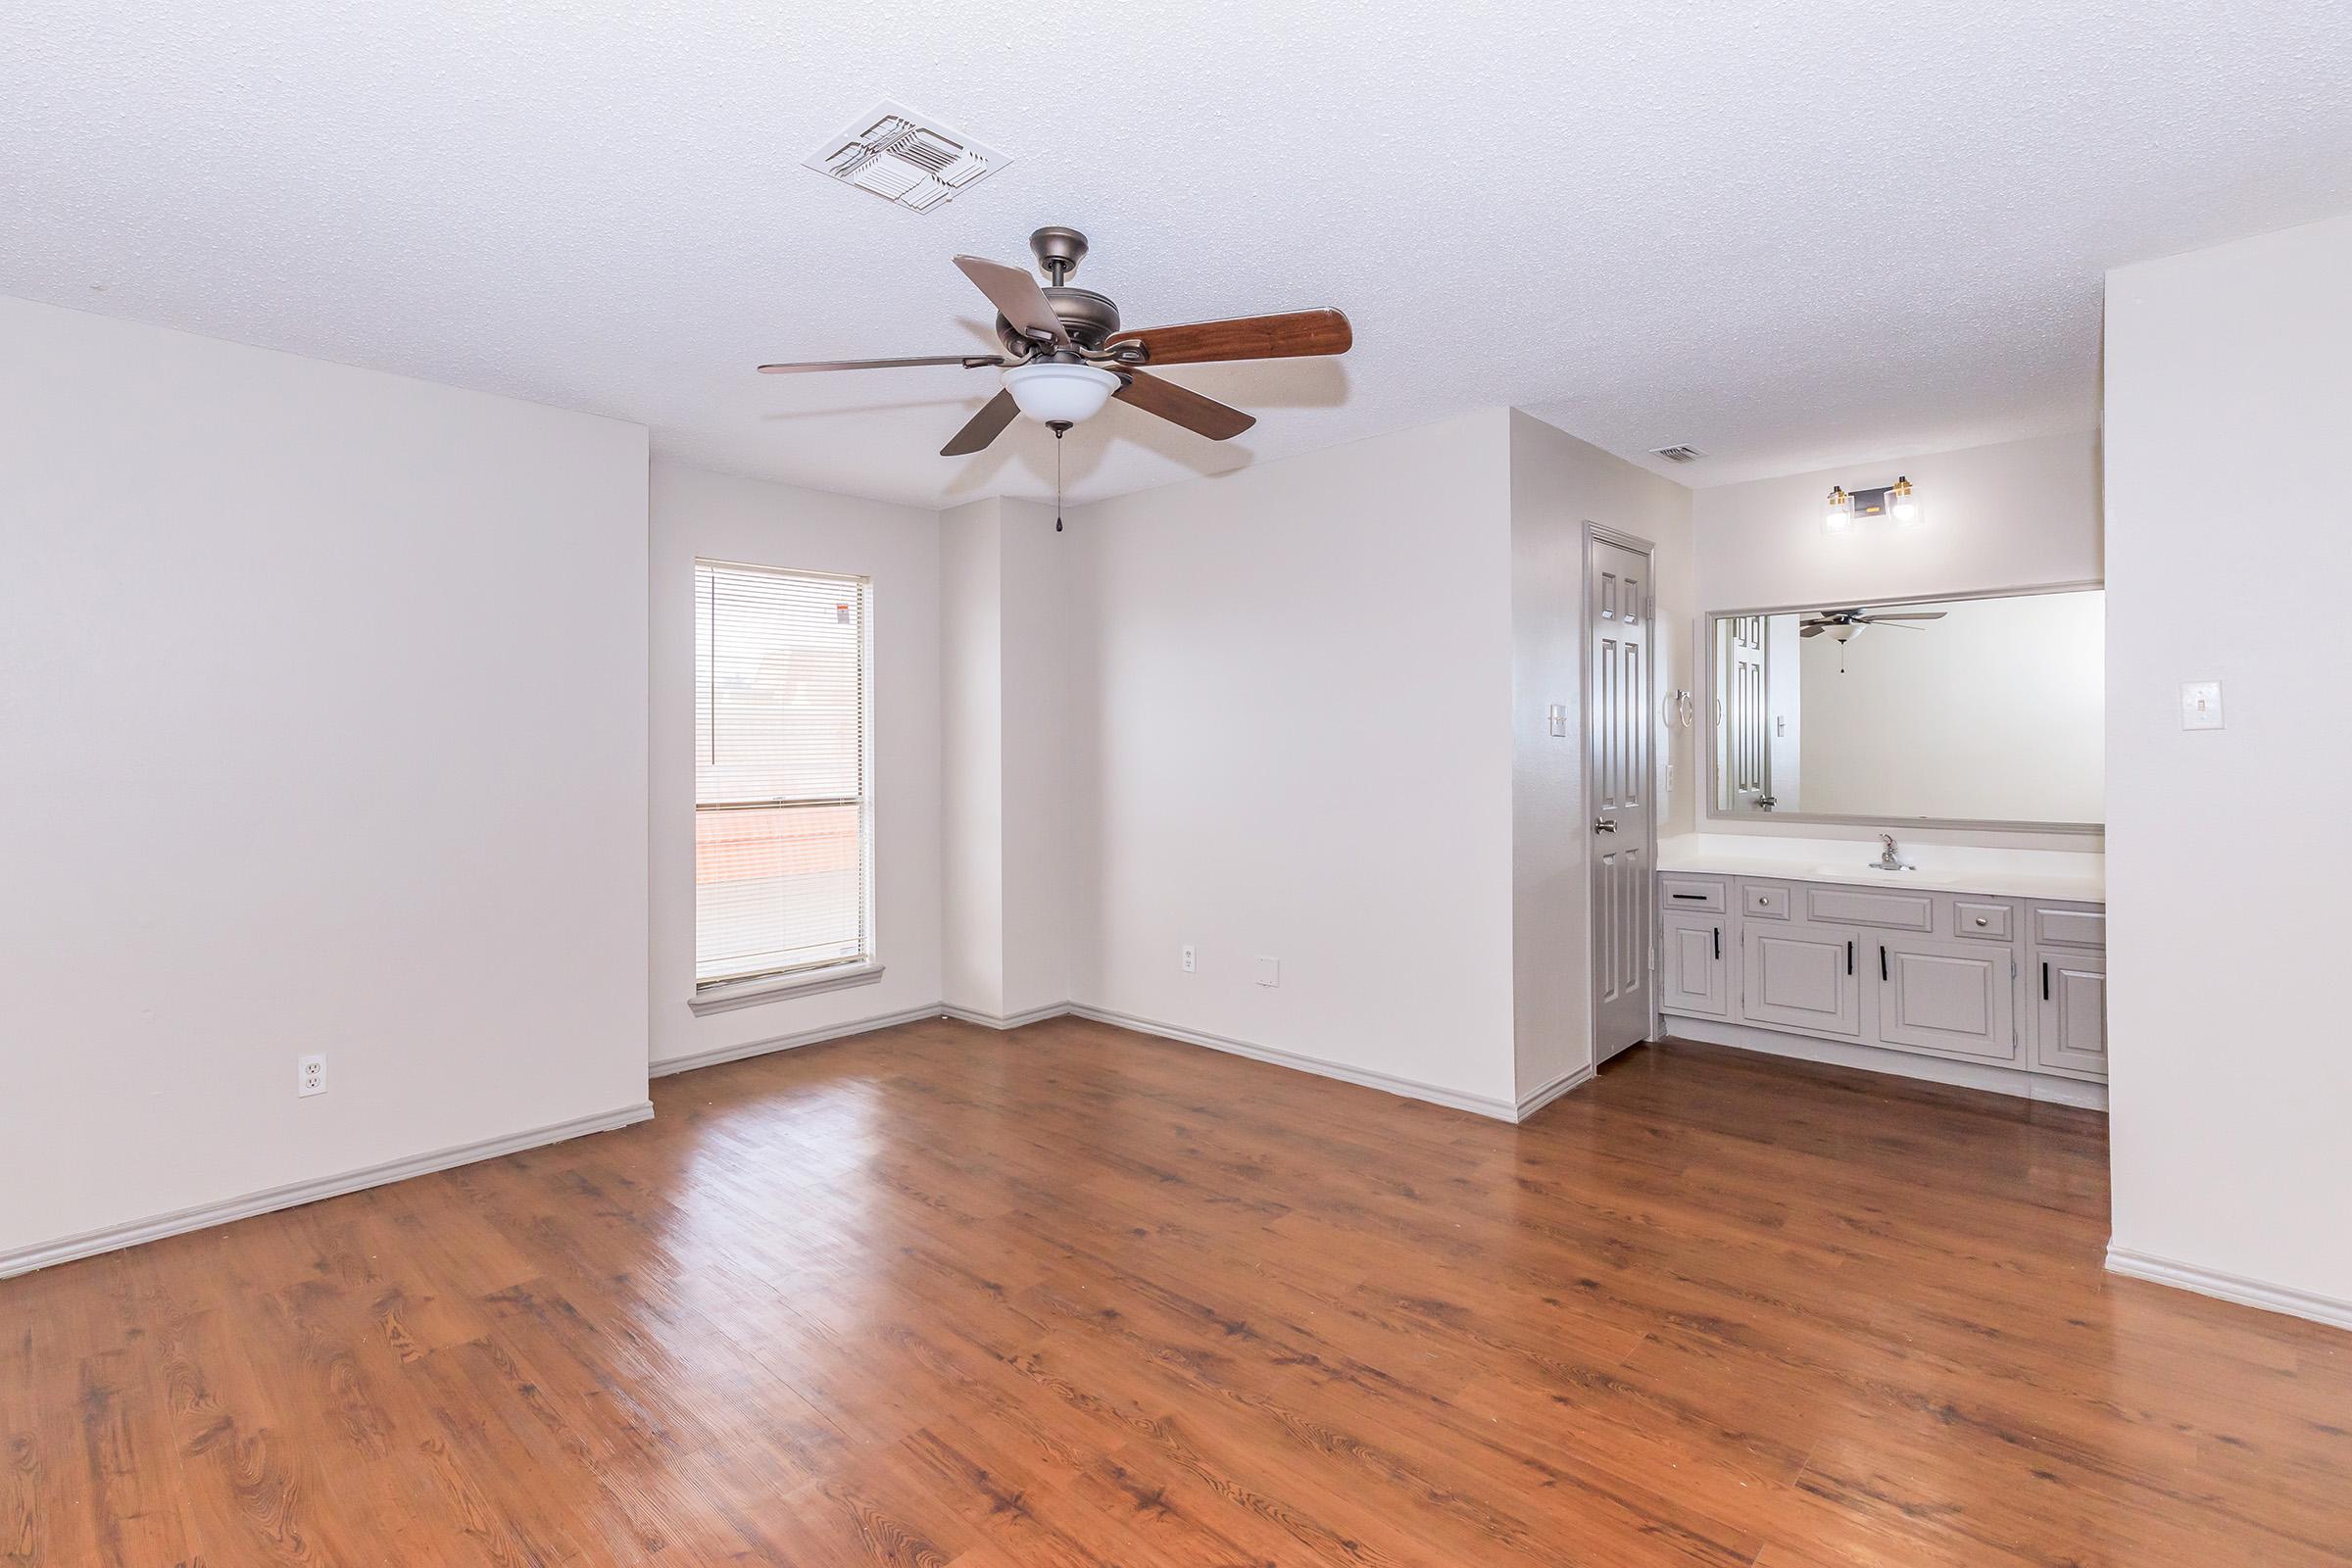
(1902, 500)
(1847, 508)
(1839, 516)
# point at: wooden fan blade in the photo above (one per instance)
(983, 427)
(970, 362)
(1016, 297)
(1914, 614)
(1244, 338)
(1811, 631)
(1219, 421)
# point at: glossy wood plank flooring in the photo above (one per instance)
(1072, 1296)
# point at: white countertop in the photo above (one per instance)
(2073, 875)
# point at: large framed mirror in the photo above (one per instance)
(1981, 712)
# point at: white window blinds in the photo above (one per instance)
(782, 822)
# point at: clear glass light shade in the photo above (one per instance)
(1839, 516)
(1048, 391)
(1902, 500)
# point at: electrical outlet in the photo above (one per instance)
(310, 1076)
(1188, 958)
(1269, 970)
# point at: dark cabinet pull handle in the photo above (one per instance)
(1719, 941)
(1700, 897)
(2046, 979)
(1850, 956)
(1881, 962)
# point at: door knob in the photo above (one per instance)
(1601, 824)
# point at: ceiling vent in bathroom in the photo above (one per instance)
(906, 159)
(1676, 454)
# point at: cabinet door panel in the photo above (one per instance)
(1695, 966)
(1946, 998)
(2070, 1025)
(1800, 979)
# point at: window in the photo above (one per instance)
(783, 818)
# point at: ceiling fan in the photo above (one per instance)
(1845, 625)
(1066, 356)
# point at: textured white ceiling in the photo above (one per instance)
(1791, 233)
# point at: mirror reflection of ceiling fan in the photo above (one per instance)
(1846, 624)
(1066, 354)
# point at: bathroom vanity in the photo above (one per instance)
(1911, 737)
(1986, 968)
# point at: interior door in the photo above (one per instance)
(1617, 617)
(1747, 730)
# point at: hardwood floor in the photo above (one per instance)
(1074, 1296)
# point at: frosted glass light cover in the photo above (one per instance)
(1048, 391)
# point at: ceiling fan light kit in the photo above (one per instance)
(1846, 508)
(1065, 354)
(1051, 392)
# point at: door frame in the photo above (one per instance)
(1648, 549)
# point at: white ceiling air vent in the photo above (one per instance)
(1676, 454)
(905, 158)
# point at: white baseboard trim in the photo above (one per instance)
(1411, 1089)
(2229, 1287)
(23, 1260)
(806, 1037)
(1535, 1100)
(989, 1020)
(1894, 1064)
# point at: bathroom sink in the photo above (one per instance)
(1843, 871)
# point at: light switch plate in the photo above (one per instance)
(1558, 718)
(2201, 705)
(1269, 970)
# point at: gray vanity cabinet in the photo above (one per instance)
(2068, 987)
(1694, 970)
(2013, 983)
(1955, 999)
(1801, 977)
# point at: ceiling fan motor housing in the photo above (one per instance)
(1087, 317)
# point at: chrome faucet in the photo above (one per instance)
(1888, 860)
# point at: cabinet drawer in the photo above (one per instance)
(1982, 922)
(2070, 928)
(1764, 901)
(1900, 911)
(1691, 893)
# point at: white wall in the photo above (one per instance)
(323, 700)
(1292, 736)
(2228, 399)
(1557, 485)
(1005, 807)
(1995, 711)
(1035, 826)
(972, 758)
(760, 523)
(2015, 514)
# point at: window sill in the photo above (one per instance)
(772, 988)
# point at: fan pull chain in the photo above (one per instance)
(1060, 428)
